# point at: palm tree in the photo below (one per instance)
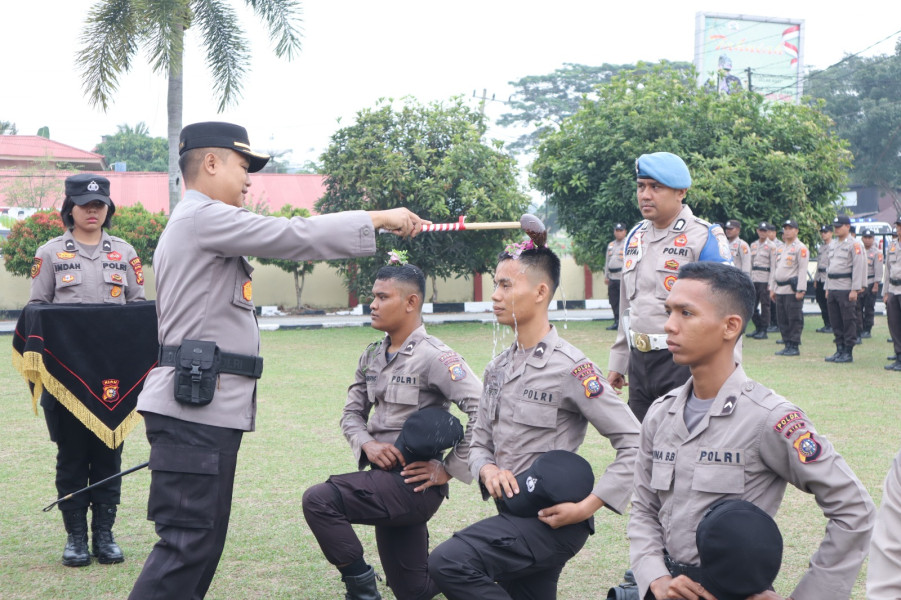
(116, 29)
(8, 128)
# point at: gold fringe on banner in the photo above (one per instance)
(31, 366)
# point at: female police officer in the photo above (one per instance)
(85, 265)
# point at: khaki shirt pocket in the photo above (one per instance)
(243, 296)
(66, 279)
(536, 426)
(665, 271)
(662, 475)
(719, 479)
(400, 400)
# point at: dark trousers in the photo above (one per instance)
(400, 516)
(651, 375)
(893, 311)
(843, 314)
(866, 303)
(81, 458)
(791, 317)
(761, 318)
(192, 476)
(821, 302)
(613, 295)
(506, 557)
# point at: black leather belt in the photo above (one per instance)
(821, 270)
(894, 281)
(767, 269)
(612, 270)
(838, 275)
(792, 282)
(236, 364)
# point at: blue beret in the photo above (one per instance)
(665, 167)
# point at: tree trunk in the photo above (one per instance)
(434, 297)
(298, 286)
(174, 103)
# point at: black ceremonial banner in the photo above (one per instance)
(92, 357)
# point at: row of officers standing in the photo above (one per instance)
(849, 273)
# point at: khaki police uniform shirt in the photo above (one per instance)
(823, 252)
(205, 292)
(790, 261)
(892, 269)
(613, 266)
(762, 260)
(652, 258)
(884, 565)
(749, 445)
(63, 271)
(847, 257)
(874, 265)
(545, 402)
(424, 373)
(741, 254)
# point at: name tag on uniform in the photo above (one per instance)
(722, 456)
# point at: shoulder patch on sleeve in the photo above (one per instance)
(36, 267)
(588, 374)
(139, 270)
(809, 449)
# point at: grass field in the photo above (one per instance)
(270, 553)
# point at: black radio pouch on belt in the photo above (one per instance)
(196, 372)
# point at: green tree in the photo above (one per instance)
(135, 147)
(140, 228)
(8, 128)
(300, 269)
(750, 160)
(25, 237)
(431, 159)
(863, 97)
(37, 185)
(116, 29)
(542, 102)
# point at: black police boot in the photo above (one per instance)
(858, 341)
(772, 329)
(791, 349)
(894, 357)
(839, 350)
(76, 552)
(895, 366)
(846, 357)
(783, 351)
(361, 587)
(760, 334)
(613, 327)
(104, 546)
(825, 329)
(866, 334)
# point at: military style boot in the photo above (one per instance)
(103, 544)
(361, 587)
(76, 552)
(847, 356)
(839, 350)
(791, 349)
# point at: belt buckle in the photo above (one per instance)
(643, 342)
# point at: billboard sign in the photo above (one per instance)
(764, 54)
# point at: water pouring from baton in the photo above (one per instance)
(94, 485)
(531, 224)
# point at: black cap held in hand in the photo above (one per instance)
(556, 476)
(740, 549)
(427, 433)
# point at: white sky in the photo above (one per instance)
(356, 51)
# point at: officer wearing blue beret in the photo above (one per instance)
(668, 237)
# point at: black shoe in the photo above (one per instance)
(895, 366)
(858, 341)
(893, 357)
(846, 357)
(76, 551)
(362, 587)
(825, 329)
(760, 334)
(772, 329)
(791, 349)
(613, 327)
(780, 341)
(839, 350)
(104, 545)
(866, 335)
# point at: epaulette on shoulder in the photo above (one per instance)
(760, 394)
(570, 351)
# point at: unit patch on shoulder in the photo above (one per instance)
(247, 290)
(668, 282)
(803, 252)
(457, 372)
(139, 270)
(744, 249)
(808, 448)
(36, 267)
(65, 255)
(786, 420)
(680, 241)
(593, 387)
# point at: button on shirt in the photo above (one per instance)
(790, 261)
(424, 373)
(613, 266)
(545, 402)
(847, 257)
(749, 446)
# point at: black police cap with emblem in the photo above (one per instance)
(87, 187)
(427, 433)
(733, 224)
(619, 226)
(841, 220)
(867, 233)
(763, 226)
(556, 476)
(216, 134)
(790, 223)
(825, 228)
(740, 550)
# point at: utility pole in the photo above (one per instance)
(748, 70)
(484, 99)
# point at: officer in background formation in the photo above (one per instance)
(613, 270)
(85, 265)
(771, 232)
(866, 301)
(407, 374)
(205, 308)
(891, 294)
(723, 435)
(741, 252)
(845, 278)
(762, 253)
(824, 249)
(668, 237)
(540, 394)
(788, 285)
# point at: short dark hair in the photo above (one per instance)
(189, 161)
(542, 259)
(409, 274)
(65, 214)
(730, 287)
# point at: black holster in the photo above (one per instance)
(196, 372)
